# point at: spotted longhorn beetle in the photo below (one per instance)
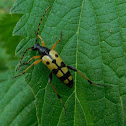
(53, 61)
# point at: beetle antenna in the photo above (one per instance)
(40, 23)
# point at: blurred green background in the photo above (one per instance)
(8, 42)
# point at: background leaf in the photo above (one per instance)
(16, 102)
(5, 6)
(7, 24)
(94, 42)
(8, 42)
(16, 99)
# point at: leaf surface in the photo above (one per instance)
(94, 42)
(16, 102)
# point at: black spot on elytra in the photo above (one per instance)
(47, 63)
(62, 64)
(54, 61)
(56, 55)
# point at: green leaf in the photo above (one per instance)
(16, 102)
(94, 42)
(8, 42)
(5, 6)
(7, 23)
(4, 58)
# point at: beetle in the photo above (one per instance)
(53, 61)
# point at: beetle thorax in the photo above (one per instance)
(42, 50)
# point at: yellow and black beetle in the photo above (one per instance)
(54, 62)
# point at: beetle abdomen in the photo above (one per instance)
(54, 62)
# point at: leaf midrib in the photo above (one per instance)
(78, 30)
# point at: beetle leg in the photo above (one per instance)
(43, 44)
(71, 68)
(50, 81)
(23, 56)
(57, 42)
(34, 57)
(36, 62)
